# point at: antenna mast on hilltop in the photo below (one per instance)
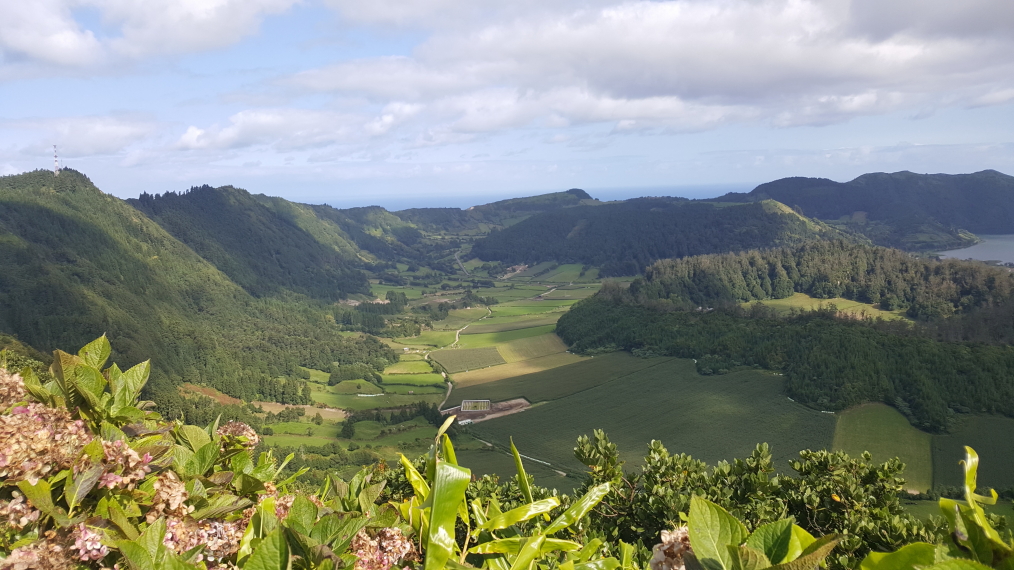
(56, 163)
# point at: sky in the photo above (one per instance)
(458, 102)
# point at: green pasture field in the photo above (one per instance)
(296, 440)
(409, 367)
(531, 347)
(459, 318)
(503, 324)
(802, 301)
(531, 308)
(494, 339)
(410, 356)
(428, 338)
(506, 294)
(405, 389)
(558, 382)
(571, 294)
(461, 359)
(992, 437)
(413, 379)
(531, 271)
(711, 418)
(327, 429)
(359, 403)
(504, 371)
(352, 387)
(885, 433)
(565, 273)
(491, 461)
(380, 291)
(318, 376)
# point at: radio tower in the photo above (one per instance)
(56, 163)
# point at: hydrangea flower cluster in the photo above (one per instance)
(12, 389)
(669, 555)
(238, 432)
(132, 467)
(17, 513)
(219, 538)
(39, 440)
(382, 552)
(169, 497)
(88, 544)
(51, 552)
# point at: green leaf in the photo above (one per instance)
(193, 437)
(35, 387)
(271, 554)
(302, 515)
(129, 385)
(800, 541)
(513, 546)
(521, 514)
(78, 487)
(528, 552)
(96, 352)
(204, 459)
(812, 556)
(137, 556)
(91, 384)
(369, 495)
(526, 489)
(747, 558)
(711, 530)
(221, 505)
(773, 540)
(601, 564)
(448, 492)
(419, 484)
(39, 494)
(152, 537)
(909, 556)
(120, 519)
(958, 564)
(579, 509)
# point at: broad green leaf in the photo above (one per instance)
(627, 556)
(152, 537)
(35, 387)
(521, 514)
(800, 541)
(812, 556)
(39, 494)
(271, 554)
(221, 505)
(909, 556)
(369, 495)
(601, 564)
(448, 492)
(773, 540)
(302, 515)
(64, 368)
(91, 383)
(526, 489)
(513, 546)
(528, 552)
(136, 555)
(78, 487)
(96, 352)
(204, 459)
(448, 449)
(711, 530)
(747, 558)
(130, 384)
(579, 509)
(958, 564)
(193, 437)
(419, 485)
(337, 532)
(119, 518)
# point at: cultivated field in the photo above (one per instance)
(532, 347)
(462, 359)
(498, 338)
(409, 367)
(530, 308)
(992, 437)
(504, 371)
(427, 338)
(559, 382)
(503, 324)
(712, 418)
(885, 433)
(408, 388)
(413, 379)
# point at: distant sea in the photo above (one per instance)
(992, 248)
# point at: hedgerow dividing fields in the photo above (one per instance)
(461, 359)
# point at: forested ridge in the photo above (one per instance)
(622, 238)
(79, 263)
(902, 209)
(688, 308)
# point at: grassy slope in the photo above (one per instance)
(885, 433)
(992, 437)
(805, 302)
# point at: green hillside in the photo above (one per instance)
(903, 209)
(478, 219)
(622, 238)
(79, 263)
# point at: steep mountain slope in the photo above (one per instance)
(257, 247)
(501, 213)
(79, 263)
(622, 238)
(903, 209)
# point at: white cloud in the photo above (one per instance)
(85, 136)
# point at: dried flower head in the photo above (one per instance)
(669, 555)
(388, 548)
(17, 513)
(39, 440)
(12, 389)
(125, 466)
(170, 496)
(238, 432)
(54, 551)
(219, 538)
